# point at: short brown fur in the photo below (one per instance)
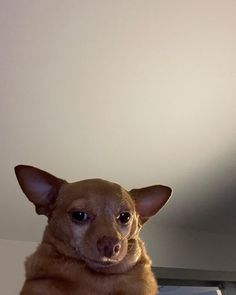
(99, 255)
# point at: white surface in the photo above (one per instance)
(179, 290)
(138, 92)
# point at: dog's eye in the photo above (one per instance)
(124, 217)
(79, 216)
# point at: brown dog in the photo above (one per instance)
(91, 244)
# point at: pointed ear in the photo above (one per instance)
(150, 200)
(40, 187)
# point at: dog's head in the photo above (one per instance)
(97, 219)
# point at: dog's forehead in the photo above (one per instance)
(92, 190)
(94, 187)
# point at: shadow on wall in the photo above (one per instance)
(208, 202)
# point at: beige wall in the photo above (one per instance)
(12, 256)
(138, 92)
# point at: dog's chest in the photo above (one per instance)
(74, 278)
(123, 284)
(101, 284)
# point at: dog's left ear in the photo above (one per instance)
(40, 187)
(150, 200)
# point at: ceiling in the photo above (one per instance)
(137, 92)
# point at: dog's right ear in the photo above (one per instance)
(40, 187)
(149, 200)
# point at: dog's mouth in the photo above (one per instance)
(101, 263)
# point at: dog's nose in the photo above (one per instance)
(108, 246)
